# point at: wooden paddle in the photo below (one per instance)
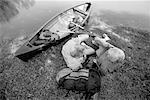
(86, 31)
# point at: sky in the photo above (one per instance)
(132, 6)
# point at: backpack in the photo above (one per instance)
(86, 81)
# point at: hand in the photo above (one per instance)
(106, 37)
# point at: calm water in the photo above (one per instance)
(32, 15)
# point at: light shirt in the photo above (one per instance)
(73, 62)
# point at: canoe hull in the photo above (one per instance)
(58, 24)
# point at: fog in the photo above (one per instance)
(135, 7)
(131, 6)
(37, 12)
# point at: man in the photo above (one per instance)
(108, 57)
(75, 52)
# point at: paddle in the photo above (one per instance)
(87, 31)
(71, 32)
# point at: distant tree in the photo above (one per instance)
(10, 8)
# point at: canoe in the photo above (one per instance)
(59, 26)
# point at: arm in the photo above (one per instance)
(103, 46)
(83, 37)
(87, 49)
(102, 42)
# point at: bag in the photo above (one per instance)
(86, 81)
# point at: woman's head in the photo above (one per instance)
(111, 60)
(116, 55)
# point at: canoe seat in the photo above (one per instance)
(80, 11)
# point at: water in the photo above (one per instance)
(137, 21)
(27, 21)
(33, 14)
(125, 13)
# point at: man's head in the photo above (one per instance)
(78, 52)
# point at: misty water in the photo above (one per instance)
(25, 17)
(28, 19)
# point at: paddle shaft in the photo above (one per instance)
(87, 31)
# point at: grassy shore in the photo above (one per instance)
(35, 79)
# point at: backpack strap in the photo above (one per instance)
(82, 73)
(63, 73)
